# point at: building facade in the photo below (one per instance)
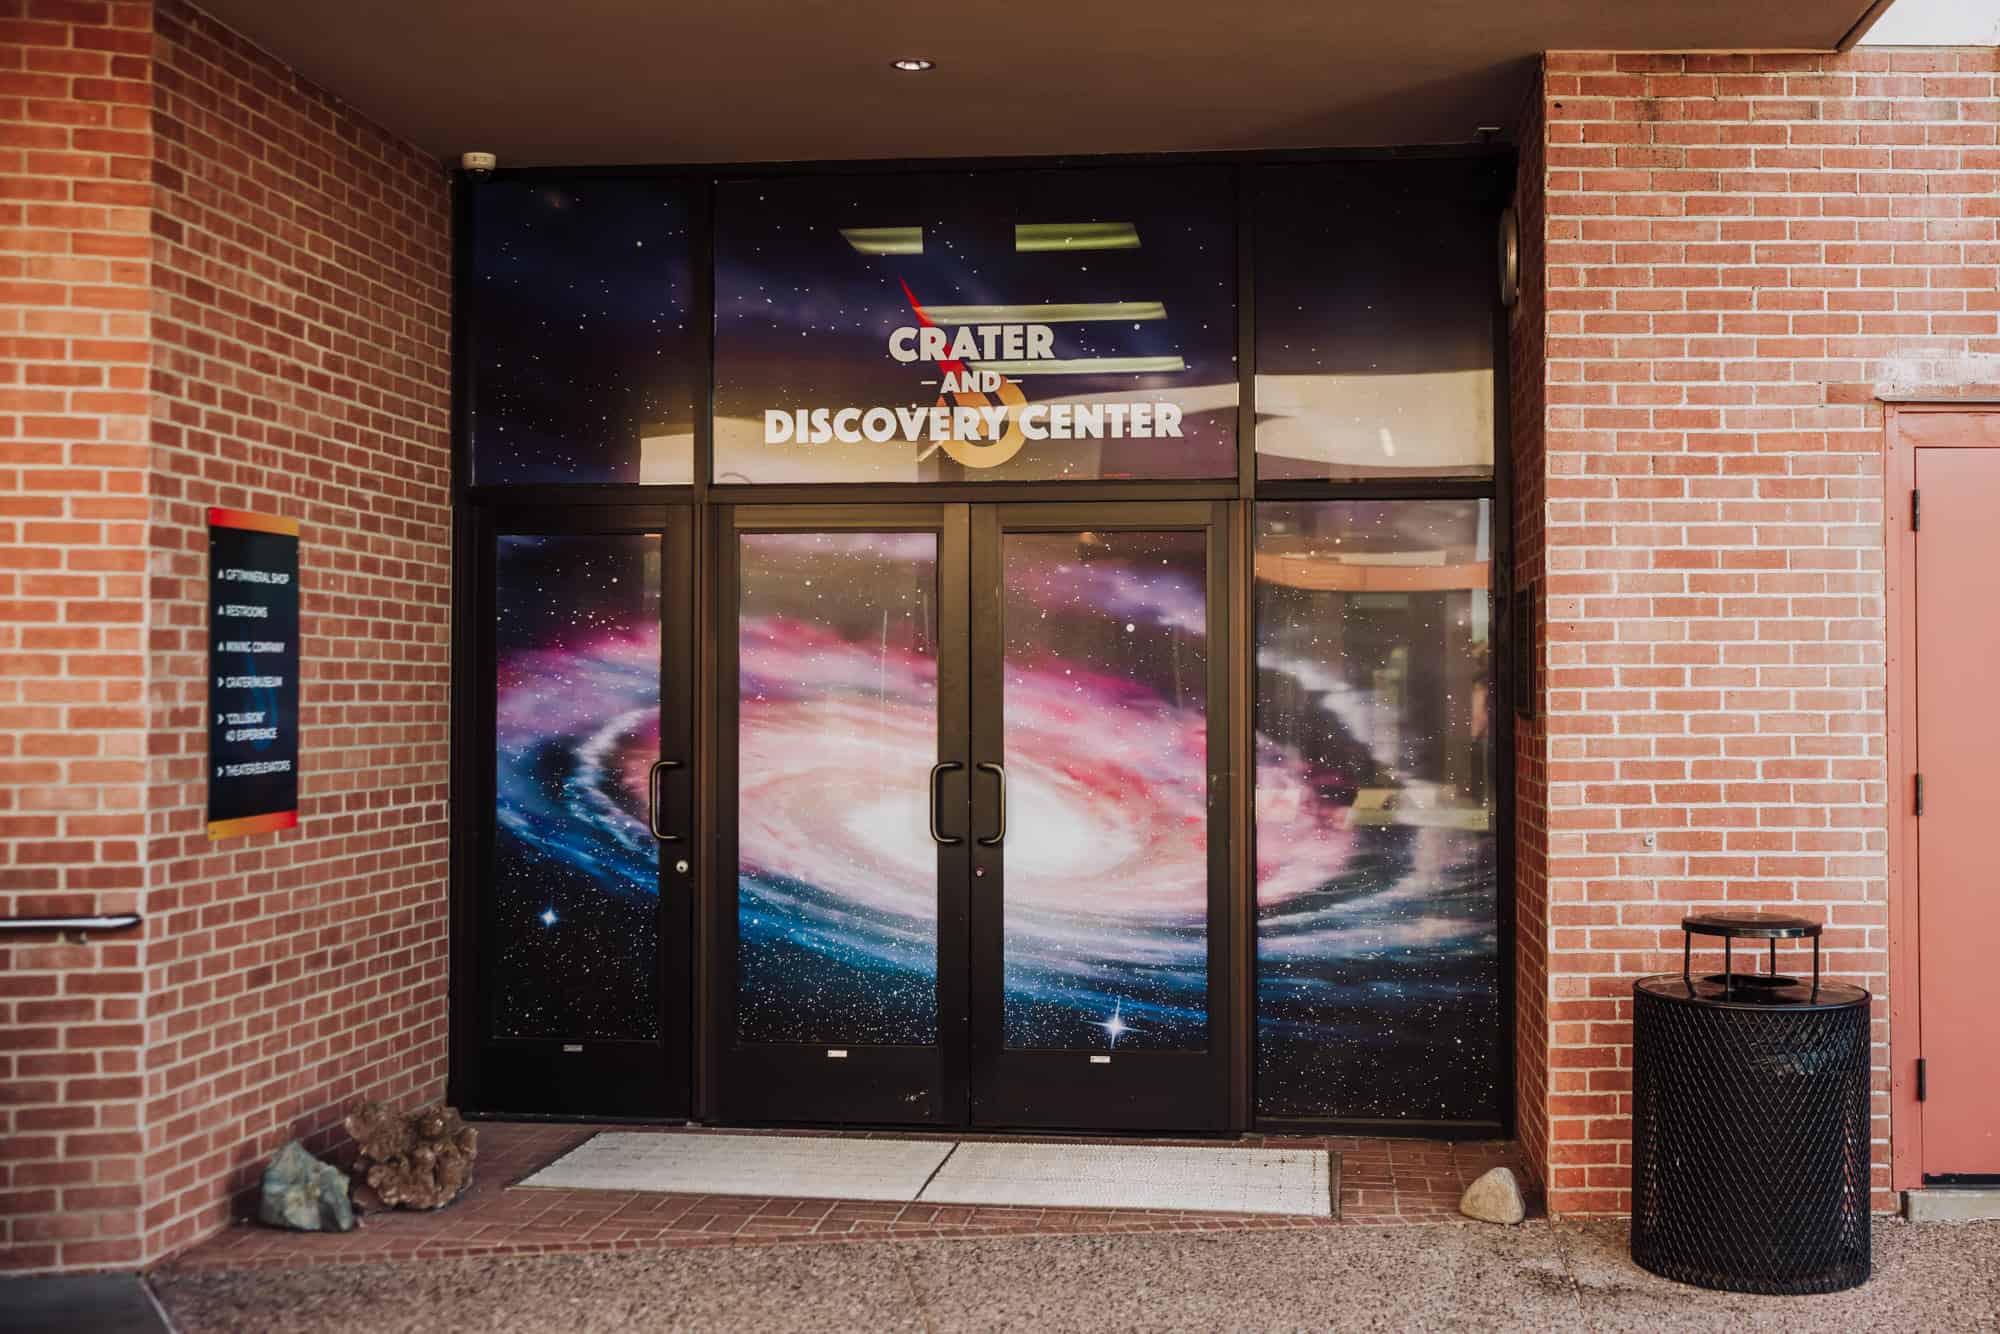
(1415, 793)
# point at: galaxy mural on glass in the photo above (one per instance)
(581, 353)
(575, 883)
(1129, 272)
(1377, 929)
(1105, 714)
(837, 728)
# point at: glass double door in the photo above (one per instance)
(971, 816)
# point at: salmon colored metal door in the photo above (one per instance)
(1958, 756)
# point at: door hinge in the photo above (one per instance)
(1916, 509)
(1923, 1080)
(1920, 794)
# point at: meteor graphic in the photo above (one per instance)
(968, 450)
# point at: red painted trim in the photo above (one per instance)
(261, 523)
(1909, 426)
(253, 824)
(1899, 470)
(1961, 428)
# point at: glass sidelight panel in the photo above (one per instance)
(837, 898)
(1376, 303)
(1377, 935)
(1104, 707)
(574, 904)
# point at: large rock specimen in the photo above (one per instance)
(410, 1160)
(305, 1194)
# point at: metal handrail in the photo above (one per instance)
(86, 922)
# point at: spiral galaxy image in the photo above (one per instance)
(1377, 928)
(837, 729)
(574, 888)
(1377, 944)
(1106, 885)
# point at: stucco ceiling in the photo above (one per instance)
(604, 81)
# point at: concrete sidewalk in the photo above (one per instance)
(1539, 1276)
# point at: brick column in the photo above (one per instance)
(75, 153)
(1743, 253)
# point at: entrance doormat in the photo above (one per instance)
(1137, 1176)
(908, 1171)
(820, 1167)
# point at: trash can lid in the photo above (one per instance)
(1752, 991)
(1750, 925)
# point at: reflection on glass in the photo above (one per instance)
(1377, 944)
(1105, 716)
(583, 363)
(1128, 274)
(837, 731)
(1375, 294)
(575, 894)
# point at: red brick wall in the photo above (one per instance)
(301, 265)
(1743, 252)
(220, 287)
(1527, 407)
(75, 138)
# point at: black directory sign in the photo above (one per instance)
(253, 670)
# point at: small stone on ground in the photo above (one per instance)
(304, 1194)
(1494, 1198)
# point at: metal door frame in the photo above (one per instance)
(474, 506)
(621, 1079)
(864, 1085)
(1910, 426)
(1050, 1090)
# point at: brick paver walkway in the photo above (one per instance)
(1381, 1181)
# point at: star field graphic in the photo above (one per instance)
(575, 885)
(581, 347)
(803, 314)
(1377, 928)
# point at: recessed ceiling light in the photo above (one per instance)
(913, 66)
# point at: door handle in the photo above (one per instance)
(653, 799)
(938, 836)
(1000, 834)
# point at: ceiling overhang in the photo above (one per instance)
(615, 81)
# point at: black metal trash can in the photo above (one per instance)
(1750, 1121)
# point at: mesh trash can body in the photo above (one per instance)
(1750, 1168)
